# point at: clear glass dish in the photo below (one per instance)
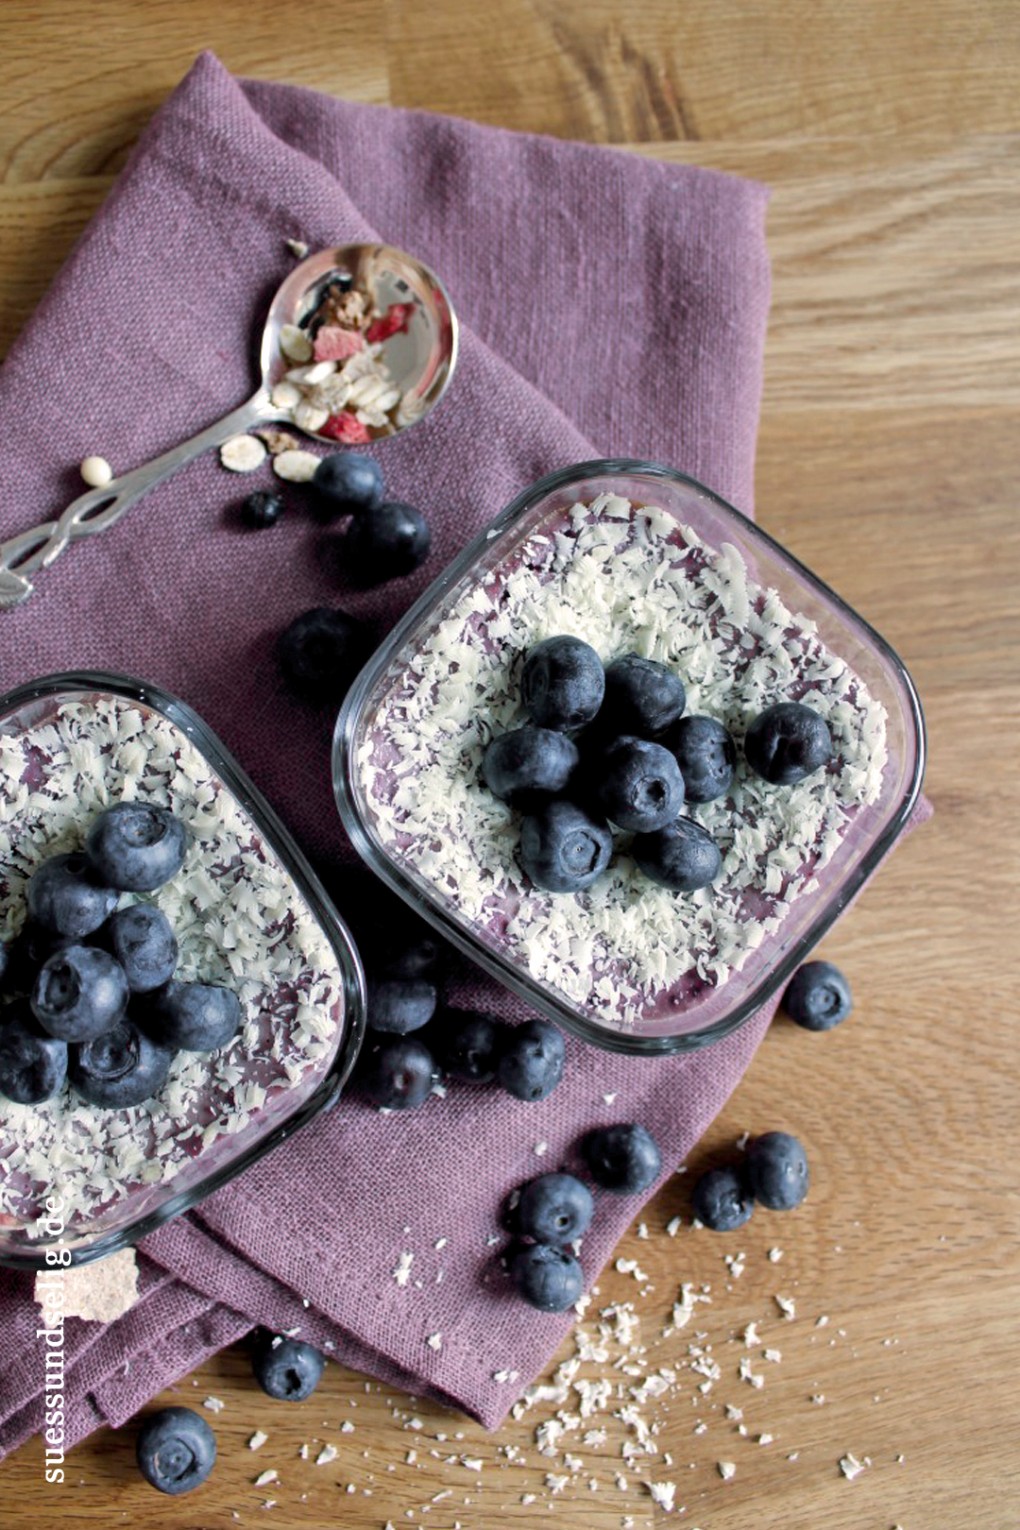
(678, 575)
(248, 912)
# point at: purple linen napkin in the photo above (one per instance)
(611, 305)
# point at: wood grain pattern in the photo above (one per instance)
(888, 462)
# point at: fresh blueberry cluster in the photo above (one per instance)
(322, 650)
(550, 1213)
(92, 996)
(632, 763)
(774, 1172)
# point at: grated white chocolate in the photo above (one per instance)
(239, 920)
(625, 578)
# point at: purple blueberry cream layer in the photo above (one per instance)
(239, 921)
(627, 579)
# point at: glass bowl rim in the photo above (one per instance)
(272, 828)
(519, 983)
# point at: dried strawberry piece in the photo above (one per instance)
(332, 343)
(393, 322)
(346, 428)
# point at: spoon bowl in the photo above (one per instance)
(405, 345)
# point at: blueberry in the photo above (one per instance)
(197, 1017)
(531, 1062)
(548, 1278)
(120, 1068)
(287, 1369)
(321, 652)
(79, 993)
(400, 1005)
(469, 1044)
(722, 1199)
(706, 755)
(261, 509)
(33, 945)
(683, 856)
(347, 483)
(564, 849)
(33, 1064)
(787, 742)
(623, 1158)
(554, 1208)
(528, 760)
(562, 683)
(175, 1449)
(142, 939)
(386, 543)
(777, 1170)
(136, 846)
(818, 996)
(398, 1074)
(642, 696)
(418, 956)
(66, 896)
(639, 784)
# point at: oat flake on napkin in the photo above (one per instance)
(611, 305)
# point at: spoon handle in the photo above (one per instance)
(96, 509)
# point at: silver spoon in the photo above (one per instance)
(420, 360)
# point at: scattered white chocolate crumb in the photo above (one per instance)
(642, 1229)
(214, 1404)
(609, 1098)
(631, 1267)
(734, 1412)
(674, 1225)
(735, 1263)
(765, 1439)
(502, 1376)
(850, 1466)
(97, 1292)
(727, 1469)
(326, 1454)
(304, 1452)
(297, 247)
(266, 1477)
(818, 1398)
(742, 1141)
(540, 1149)
(751, 1335)
(346, 1427)
(259, 1438)
(663, 1493)
(823, 1321)
(774, 1355)
(787, 1306)
(96, 472)
(472, 1463)
(295, 466)
(243, 454)
(434, 1341)
(440, 1243)
(775, 1254)
(402, 1269)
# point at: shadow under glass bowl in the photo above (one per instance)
(238, 1103)
(669, 514)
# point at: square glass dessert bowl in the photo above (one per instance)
(248, 914)
(631, 557)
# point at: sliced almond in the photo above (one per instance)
(294, 343)
(295, 466)
(242, 454)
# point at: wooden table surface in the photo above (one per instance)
(888, 462)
